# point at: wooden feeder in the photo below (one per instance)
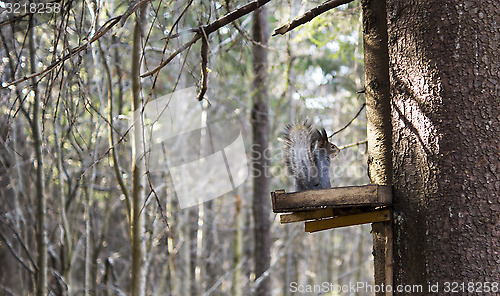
(323, 209)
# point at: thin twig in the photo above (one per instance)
(248, 38)
(157, 198)
(349, 123)
(210, 28)
(353, 144)
(13, 19)
(23, 245)
(111, 136)
(172, 56)
(309, 15)
(103, 30)
(174, 25)
(223, 278)
(15, 255)
(282, 252)
(178, 34)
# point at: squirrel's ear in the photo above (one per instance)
(323, 135)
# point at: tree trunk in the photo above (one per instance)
(379, 128)
(41, 214)
(236, 286)
(210, 250)
(138, 272)
(260, 154)
(444, 85)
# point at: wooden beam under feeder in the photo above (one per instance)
(342, 221)
(335, 207)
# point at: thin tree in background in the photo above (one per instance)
(260, 155)
(138, 270)
(41, 214)
(236, 289)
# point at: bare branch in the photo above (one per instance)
(248, 38)
(103, 30)
(210, 28)
(133, 6)
(309, 15)
(349, 123)
(22, 244)
(15, 255)
(354, 144)
(111, 137)
(244, 10)
(172, 36)
(13, 19)
(172, 56)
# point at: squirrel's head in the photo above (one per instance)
(322, 142)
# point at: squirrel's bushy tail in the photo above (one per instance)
(299, 144)
(307, 155)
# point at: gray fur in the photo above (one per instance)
(307, 154)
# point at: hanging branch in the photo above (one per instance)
(210, 28)
(204, 65)
(309, 15)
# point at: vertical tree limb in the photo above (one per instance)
(379, 126)
(260, 153)
(138, 271)
(111, 137)
(41, 213)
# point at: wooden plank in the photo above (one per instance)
(370, 217)
(322, 213)
(353, 196)
(306, 215)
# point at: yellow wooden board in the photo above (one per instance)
(306, 215)
(336, 222)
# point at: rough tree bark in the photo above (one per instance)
(260, 154)
(138, 272)
(444, 63)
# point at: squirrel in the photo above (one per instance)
(307, 155)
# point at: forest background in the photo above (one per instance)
(56, 148)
